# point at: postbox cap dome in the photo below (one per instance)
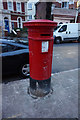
(40, 22)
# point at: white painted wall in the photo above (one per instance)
(33, 10)
(58, 20)
(1, 20)
(0, 11)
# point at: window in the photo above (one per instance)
(9, 48)
(4, 48)
(29, 5)
(10, 5)
(65, 4)
(71, 1)
(18, 7)
(30, 17)
(63, 28)
(56, 28)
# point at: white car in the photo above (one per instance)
(66, 32)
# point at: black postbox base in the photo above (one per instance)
(40, 88)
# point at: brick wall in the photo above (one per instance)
(15, 24)
(23, 7)
(78, 19)
(57, 4)
(14, 6)
(5, 5)
(73, 6)
(14, 17)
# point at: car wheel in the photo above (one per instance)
(58, 41)
(24, 70)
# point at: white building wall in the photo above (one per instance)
(33, 10)
(1, 20)
(25, 11)
(64, 20)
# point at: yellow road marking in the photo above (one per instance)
(14, 116)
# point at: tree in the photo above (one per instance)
(48, 10)
(46, 7)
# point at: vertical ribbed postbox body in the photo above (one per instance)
(40, 35)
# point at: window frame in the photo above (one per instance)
(61, 28)
(29, 8)
(8, 5)
(29, 17)
(71, 2)
(67, 6)
(17, 7)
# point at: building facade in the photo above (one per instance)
(31, 10)
(13, 14)
(1, 23)
(64, 11)
(61, 11)
(78, 6)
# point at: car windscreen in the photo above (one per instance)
(9, 48)
(56, 28)
(63, 28)
(4, 48)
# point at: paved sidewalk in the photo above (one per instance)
(62, 103)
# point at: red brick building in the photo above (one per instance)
(13, 14)
(78, 5)
(78, 18)
(65, 12)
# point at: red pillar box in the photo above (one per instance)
(40, 35)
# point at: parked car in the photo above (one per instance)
(66, 32)
(15, 58)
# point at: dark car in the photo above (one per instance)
(15, 58)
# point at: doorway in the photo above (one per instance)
(6, 21)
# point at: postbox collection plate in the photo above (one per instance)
(45, 46)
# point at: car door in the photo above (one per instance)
(9, 61)
(63, 32)
(72, 31)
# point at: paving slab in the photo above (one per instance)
(61, 103)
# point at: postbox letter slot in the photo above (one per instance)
(45, 34)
